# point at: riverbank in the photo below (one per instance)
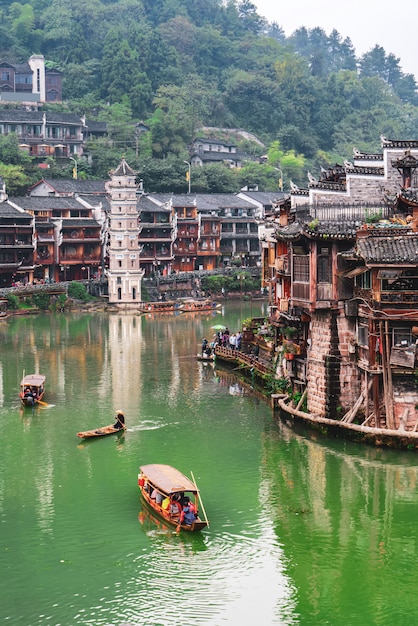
(289, 406)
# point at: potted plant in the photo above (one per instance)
(289, 349)
(290, 332)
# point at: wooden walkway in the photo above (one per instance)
(246, 360)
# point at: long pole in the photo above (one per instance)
(75, 168)
(189, 174)
(200, 499)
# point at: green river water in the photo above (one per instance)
(303, 530)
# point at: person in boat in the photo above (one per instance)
(188, 514)
(157, 496)
(175, 507)
(120, 420)
(165, 503)
(204, 346)
(28, 395)
(182, 498)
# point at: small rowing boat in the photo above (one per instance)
(32, 389)
(100, 432)
(169, 493)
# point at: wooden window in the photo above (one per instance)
(301, 268)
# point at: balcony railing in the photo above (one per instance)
(403, 297)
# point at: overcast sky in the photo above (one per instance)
(392, 25)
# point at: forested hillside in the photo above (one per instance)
(179, 65)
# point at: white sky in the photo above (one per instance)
(392, 25)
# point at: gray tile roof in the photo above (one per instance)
(265, 197)
(29, 203)
(33, 117)
(219, 157)
(145, 203)
(6, 210)
(123, 169)
(95, 200)
(399, 249)
(68, 223)
(213, 201)
(71, 185)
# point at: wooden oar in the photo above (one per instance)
(43, 403)
(200, 499)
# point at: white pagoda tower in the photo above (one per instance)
(125, 274)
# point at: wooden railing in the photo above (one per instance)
(241, 358)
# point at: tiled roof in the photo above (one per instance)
(219, 157)
(291, 231)
(266, 198)
(96, 127)
(123, 169)
(68, 223)
(7, 210)
(72, 185)
(36, 203)
(19, 115)
(96, 200)
(396, 249)
(335, 229)
(146, 204)
(213, 201)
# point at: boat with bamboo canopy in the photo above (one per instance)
(32, 389)
(169, 493)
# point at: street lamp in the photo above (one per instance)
(188, 174)
(75, 168)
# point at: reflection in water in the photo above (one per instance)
(335, 510)
(301, 530)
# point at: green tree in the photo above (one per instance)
(220, 179)
(17, 182)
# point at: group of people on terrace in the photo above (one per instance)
(222, 338)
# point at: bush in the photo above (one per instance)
(41, 300)
(78, 291)
(13, 302)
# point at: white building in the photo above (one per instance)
(125, 274)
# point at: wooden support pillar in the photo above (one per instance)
(390, 413)
(376, 401)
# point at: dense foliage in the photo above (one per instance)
(180, 65)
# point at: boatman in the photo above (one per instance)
(120, 420)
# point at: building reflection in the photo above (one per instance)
(335, 509)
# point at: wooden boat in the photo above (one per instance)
(100, 432)
(206, 358)
(196, 305)
(172, 487)
(32, 389)
(170, 306)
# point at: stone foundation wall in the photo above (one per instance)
(333, 383)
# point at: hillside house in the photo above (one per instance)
(30, 83)
(204, 151)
